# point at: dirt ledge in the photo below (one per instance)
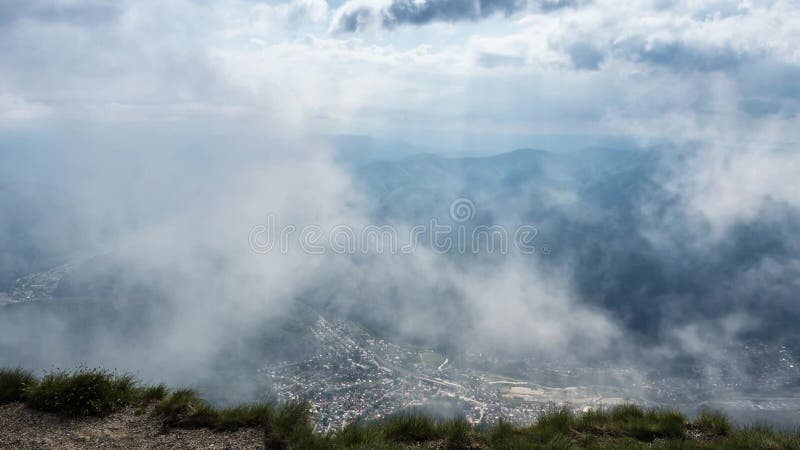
(22, 428)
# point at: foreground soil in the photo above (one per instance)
(22, 428)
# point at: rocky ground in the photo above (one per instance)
(21, 428)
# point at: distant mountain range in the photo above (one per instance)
(598, 210)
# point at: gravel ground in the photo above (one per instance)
(21, 428)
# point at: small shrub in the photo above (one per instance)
(15, 384)
(84, 392)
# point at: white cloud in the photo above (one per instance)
(571, 70)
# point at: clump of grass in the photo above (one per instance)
(713, 423)
(185, 409)
(505, 435)
(603, 427)
(151, 394)
(15, 384)
(410, 426)
(457, 434)
(554, 421)
(553, 429)
(244, 416)
(632, 421)
(358, 435)
(83, 392)
(290, 428)
(647, 425)
(761, 437)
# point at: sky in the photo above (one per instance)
(433, 72)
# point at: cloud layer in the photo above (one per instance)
(355, 15)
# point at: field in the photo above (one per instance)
(431, 359)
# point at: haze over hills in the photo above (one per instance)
(600, 210)
(614, 296)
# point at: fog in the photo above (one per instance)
(163, 280)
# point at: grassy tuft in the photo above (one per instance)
(148, 395)
(631, 421)
(713, 423)
(554, 421)
(598, 428)
(410, 427)
(761, 437)
(185, 409)
(244, 416)
(15, 384)
(457, 434)
(290, 428)
(84, 392)
(358, 435)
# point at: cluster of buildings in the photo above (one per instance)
(354, 376)
(38, 286)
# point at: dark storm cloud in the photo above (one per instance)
(409, 12)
